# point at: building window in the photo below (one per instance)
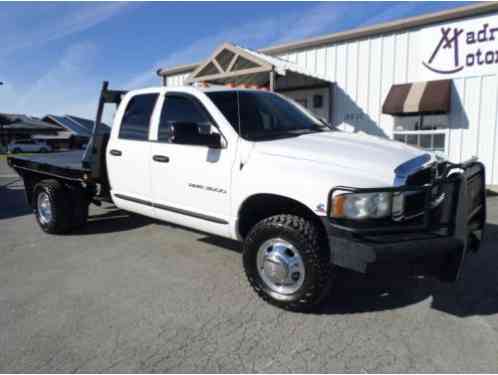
(429, 132)
(434, 141)
(317, 101)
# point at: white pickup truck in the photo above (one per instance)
(254, 166)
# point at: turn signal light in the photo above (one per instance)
(337, 207)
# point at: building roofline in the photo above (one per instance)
(362, 32)
(387, 27)
(179, 69)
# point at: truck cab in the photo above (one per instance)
(171, 155)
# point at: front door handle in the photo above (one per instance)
(160, 158)
(116, 152)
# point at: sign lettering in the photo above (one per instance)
(465, 48)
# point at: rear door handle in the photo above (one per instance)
(116, 153)
(160, 158)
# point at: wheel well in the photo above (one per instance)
(260, 206)
(30, 180)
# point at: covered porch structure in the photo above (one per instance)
(235, 66)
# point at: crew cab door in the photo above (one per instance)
(190, 178)
(128, 161)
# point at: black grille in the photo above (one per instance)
(422, 177)
(474, 192)
(415, 202)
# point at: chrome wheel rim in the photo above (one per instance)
(280, 266)
(44, 208)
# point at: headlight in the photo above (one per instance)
(361, 205)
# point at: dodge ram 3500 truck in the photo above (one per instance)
(254, 166)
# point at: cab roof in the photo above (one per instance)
(192, 88)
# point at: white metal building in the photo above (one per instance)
(430, 80)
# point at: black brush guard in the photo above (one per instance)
(457, 223)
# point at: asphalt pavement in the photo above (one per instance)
(129, 293)
(5, 171)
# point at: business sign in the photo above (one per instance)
(463, 48)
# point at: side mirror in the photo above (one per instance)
(204, 128)
(190, 133)
(214, 140)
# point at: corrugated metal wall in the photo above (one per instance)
(364, 71)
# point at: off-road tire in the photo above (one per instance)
(59, 198)
(313, 249)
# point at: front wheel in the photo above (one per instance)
(287, 263)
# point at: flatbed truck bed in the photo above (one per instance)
(85, 168)
(66, 165)
(82, 173)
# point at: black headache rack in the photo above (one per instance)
(94, 157)
(458, 217)
(80, 167)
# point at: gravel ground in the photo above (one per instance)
(132, 294)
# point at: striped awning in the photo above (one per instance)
(430, 97)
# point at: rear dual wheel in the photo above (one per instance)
(287, 262)
(59, 208)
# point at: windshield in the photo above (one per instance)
(259, 115)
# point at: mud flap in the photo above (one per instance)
(469, 217)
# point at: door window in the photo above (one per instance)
(136, 120)
(180, 110)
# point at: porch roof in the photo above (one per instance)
(233, 64)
